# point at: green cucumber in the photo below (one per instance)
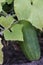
(30, 46)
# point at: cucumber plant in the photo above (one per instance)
(20, 24)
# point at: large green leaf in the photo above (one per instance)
(16, 33)
(9, 1)
(6, 21)
(1, 1)
(31, 10)
(22, 8)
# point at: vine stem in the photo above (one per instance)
(5, 14)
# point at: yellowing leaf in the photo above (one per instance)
(6, 21)
(1, 1)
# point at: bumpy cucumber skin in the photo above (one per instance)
(30, 46)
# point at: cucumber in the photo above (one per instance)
(30, 46)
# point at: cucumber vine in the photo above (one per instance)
(16, 14)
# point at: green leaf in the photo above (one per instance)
(1, 1)
(1, 54)
(16, 33)
(22, 8)
(0, 8)
(31, 10)
(6, 21)
(9, 1)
